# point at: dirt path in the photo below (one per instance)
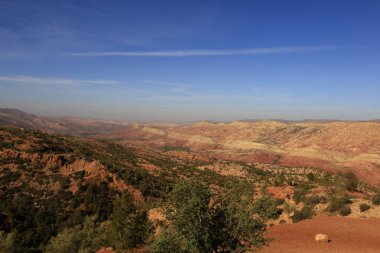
(348, 235)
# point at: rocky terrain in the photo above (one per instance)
(53, 183)
(66, 184)
(328, 145)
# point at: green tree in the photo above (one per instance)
(236, 226)
(65, 242)
(190, 213)
(169, 242)
(84, 238)
(226, 222)
(131, 226)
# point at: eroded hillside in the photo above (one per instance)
(57, 186)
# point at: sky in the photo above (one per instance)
(193, 60)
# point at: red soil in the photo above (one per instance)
(347, 235)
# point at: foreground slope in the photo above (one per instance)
(347, 235)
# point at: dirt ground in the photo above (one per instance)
(347, 235)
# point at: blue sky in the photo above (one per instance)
(191, 60)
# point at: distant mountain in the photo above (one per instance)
(17, 118)
(67, 125)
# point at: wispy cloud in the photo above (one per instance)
(178, 88)
(207, 52)
(164, 83)
(56, 81)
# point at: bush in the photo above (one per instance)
(279, 202)
(336, 203)
(350, 181)
(301, 191)
(364, 207)
(305, 213)
(298, 196)
(266, 208)
(288, 208)
(169, 242)
(310, 176)
(344, 211)
(313, 200)
(82, 238)
(376, 199)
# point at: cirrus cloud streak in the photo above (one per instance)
(206, 52)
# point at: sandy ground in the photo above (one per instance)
(347, 235)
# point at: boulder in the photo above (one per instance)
(321, 238)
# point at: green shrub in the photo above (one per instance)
(344, 211)
(87, 237)
(305, 213)
(169, 242)
(364, 207)
(350, 181)
(288, 208)
(336, 203)
(279, 181)
(376, 199)
(313, 200)
(298, 196)
(279, 202)
(310, 176)
(301, 191)
(266, 208)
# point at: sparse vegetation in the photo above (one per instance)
(305, 213)
(336, 203)
(344, 211)
(350, 181)
(376, 199)
(81, 194)
(364, 207)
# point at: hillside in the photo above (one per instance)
(332, 146)
(57, 187)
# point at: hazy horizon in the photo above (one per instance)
(158, 121)
(186, 61)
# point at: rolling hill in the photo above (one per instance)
(333, 146)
